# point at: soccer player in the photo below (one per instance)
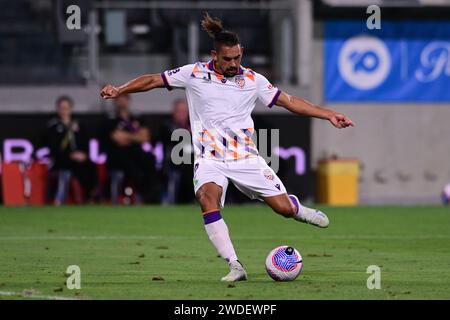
(221, 95)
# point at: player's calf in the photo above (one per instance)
(208, 195)
(281, 205)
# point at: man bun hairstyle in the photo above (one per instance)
(214, 28)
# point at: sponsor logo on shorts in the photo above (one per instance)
(268, 174)
(195, 181)
(277, 186)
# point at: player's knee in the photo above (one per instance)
(206, 200)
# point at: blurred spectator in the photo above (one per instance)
(127, 162)
(178, 188)
(69, 151)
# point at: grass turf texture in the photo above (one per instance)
(120, 250)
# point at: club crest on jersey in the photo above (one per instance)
(268, 174)
(240, 81)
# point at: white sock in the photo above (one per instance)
(217, 231)
(298, 215)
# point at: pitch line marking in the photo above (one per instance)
(33, 296)
(76, 238)
(337, 237)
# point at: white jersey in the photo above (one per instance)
(220, 108)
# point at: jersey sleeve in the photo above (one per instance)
(267, 93)
(178, 77)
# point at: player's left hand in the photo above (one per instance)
(340, 121)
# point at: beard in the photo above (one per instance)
(230, 72)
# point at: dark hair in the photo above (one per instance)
(214, 28)
(61, 99)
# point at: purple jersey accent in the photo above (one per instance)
(211, 217)
(166, 83)
(211, 65)
(275, 98)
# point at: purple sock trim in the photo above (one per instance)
(211, 217)
(294, 201)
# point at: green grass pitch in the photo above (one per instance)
(122, 250)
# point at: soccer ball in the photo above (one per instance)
(446, 194)
(284, 263)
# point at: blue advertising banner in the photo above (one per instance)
(402, 62)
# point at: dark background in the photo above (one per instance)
(293, 131)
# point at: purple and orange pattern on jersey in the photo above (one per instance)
(229, 145)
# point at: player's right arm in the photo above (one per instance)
(143, 83)
(270, 96)
(175, 78)
(303, 107)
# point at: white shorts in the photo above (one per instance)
(252, 176)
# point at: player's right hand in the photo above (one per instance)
(109, 92)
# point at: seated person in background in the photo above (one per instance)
(68, 146)
(127, 161)
(179, 177)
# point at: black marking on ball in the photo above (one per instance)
(289, 250)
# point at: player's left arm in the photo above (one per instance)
(303, 107)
